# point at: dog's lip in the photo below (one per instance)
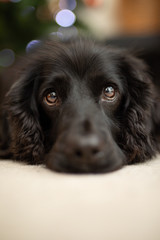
(59, 163)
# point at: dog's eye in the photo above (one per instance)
(52, 99)
(109, 93)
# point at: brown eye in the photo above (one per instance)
(109, 93)
(52, 99)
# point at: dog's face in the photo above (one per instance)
(80, 101)
(81, 107)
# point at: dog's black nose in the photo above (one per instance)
(80, 153)
(84, 148)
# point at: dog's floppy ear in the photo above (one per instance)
(23, 117)
(137, 139)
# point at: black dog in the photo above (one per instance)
(79, 106)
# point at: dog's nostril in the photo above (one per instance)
(79, 153)
(95, 151)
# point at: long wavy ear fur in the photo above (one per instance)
(23, 117)
(136, 138)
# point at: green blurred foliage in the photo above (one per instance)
(19, 24)
(24, 21)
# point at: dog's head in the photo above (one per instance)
(81, 107)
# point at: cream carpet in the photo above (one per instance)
(38, 204)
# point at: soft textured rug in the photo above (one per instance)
(38, 204)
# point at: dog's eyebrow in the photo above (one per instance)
(55, 78)
(58, 82)
(100, 79)
(103, 77)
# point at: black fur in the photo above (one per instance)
(84, 133)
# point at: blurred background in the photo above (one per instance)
(24, 22)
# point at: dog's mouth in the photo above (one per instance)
(92, 152)
(60, 163)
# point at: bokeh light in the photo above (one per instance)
(32, 45)
(93, 3)
(65, 18)
(7, 57)
(67, 4)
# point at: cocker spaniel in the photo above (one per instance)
(79, 106)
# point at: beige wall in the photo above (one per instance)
(114, 17)
(102, 20)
